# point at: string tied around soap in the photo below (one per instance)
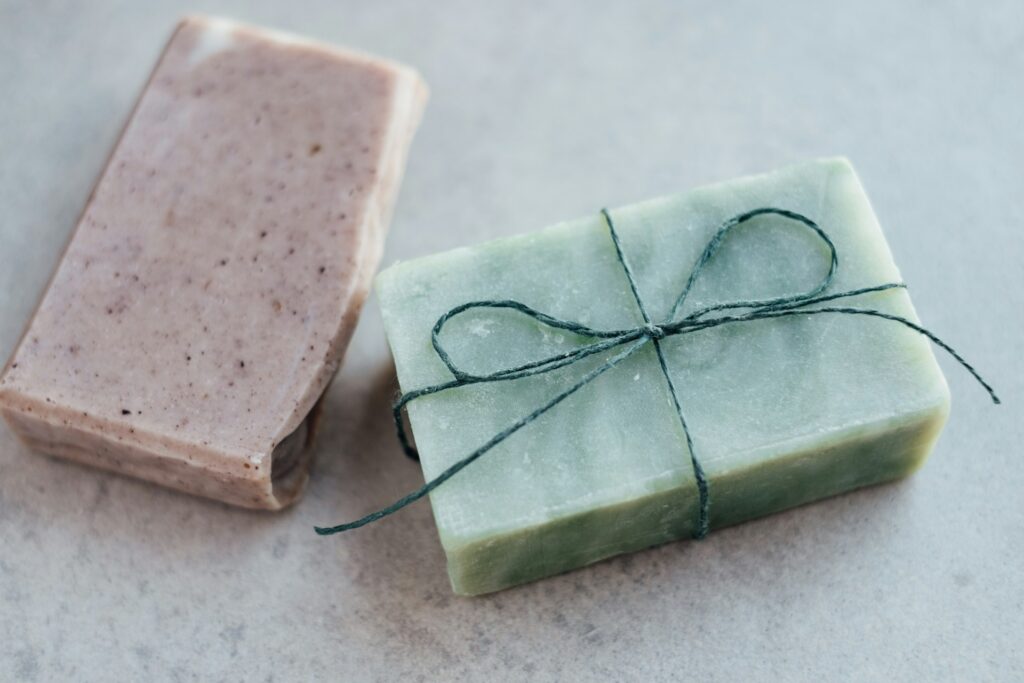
(626, 342)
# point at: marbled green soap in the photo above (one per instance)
(782, 411)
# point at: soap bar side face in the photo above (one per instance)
(868, 457)
(782, 411)
(209, 290)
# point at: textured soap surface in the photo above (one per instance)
(781, 412)
(209, 290)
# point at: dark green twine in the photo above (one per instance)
(634, 339)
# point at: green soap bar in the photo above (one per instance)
(781, 411)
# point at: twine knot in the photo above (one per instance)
(654, 332)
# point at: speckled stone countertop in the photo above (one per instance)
(538, 115)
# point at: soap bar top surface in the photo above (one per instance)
(210, 288)
(748, 391)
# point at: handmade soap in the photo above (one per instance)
(209, 290)
(781, 411)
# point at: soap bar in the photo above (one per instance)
(208, 292)
(781, 411)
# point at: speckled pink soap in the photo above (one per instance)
(208, 293)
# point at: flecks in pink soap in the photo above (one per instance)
(211, 286)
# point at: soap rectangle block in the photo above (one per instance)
(209, 290)
(782, 411)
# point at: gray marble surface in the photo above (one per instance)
(542, 112)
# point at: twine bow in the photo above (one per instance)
(634, 339)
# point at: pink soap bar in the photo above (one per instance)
(208, 293)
